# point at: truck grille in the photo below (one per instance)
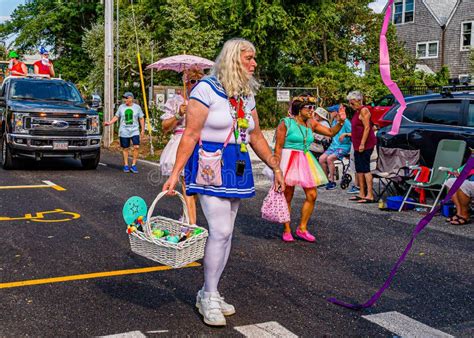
(66, 132)
(61, 126)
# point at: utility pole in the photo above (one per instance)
(152, 88)
(117, 94)
(109, 71)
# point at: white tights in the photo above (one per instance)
(220, 215)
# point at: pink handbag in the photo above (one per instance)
(209, 168)
(275, 208)
(210, 165)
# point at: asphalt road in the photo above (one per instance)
(285, 284)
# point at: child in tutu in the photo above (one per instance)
(293, 138)
(174, 121)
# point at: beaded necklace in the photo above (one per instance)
(305, 135)
(242, 117)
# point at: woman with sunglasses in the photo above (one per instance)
(173, 120)
(293, 138)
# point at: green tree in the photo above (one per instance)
(93, 43)
(187, 33)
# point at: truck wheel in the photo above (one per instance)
(91, 163)
(7, 159)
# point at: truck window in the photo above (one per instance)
(44, 90)
(443, 112)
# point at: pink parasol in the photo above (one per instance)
(180, 63)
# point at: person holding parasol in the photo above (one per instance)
(173, 120)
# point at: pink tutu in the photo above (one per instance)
(300, 168)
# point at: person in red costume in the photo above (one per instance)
(16, 67)
(44, 66)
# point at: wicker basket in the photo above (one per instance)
(175, 255)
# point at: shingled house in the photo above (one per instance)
(438, 32)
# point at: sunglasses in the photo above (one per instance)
(310, 106)
(193, 81)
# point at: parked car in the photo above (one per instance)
(429, 119)
(42, 118)
(380, 107)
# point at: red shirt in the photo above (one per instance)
(358, 131)
(17, 68)
(42, 68)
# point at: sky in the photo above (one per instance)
(7, 7)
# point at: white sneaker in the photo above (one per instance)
(210, 309)
(226, 308)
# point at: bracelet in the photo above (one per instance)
(178, 116)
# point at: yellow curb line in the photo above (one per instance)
(89, 276)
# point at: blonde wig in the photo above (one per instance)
(229, 71)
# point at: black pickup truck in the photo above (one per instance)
(43, 118)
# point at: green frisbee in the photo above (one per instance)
(133, 208)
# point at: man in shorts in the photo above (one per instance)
(131, 120)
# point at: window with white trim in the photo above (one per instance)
(467, 36)
(403, 11)
(427, 50)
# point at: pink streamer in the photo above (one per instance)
(384, 64)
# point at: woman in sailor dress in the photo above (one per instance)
(220, 106)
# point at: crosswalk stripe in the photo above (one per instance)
(404, 326)
(265, 330)
(131, 334)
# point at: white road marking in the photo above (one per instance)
(158, 331)
(131, 334)
(149, 162)
(404, 326)
(102, 164)
(265, 330)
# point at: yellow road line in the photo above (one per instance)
(89, 276)
(48, 184)
(24, 187)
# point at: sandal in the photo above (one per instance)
(460, 221)
(452, 218)
(355, 198)
(366, 200)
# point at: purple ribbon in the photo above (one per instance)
(384, 66)
(419, 227)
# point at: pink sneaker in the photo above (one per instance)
(287, 237)
(305, 235)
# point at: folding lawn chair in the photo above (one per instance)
(449, 154)
(393, 170)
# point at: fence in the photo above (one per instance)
(273, 103)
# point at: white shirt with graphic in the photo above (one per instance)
(129, 119)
